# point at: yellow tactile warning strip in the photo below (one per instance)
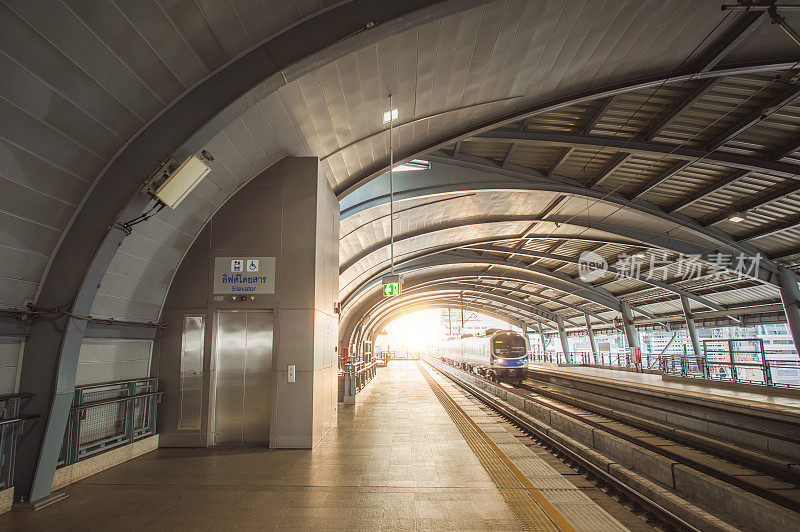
(532, 509)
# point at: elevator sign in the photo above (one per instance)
(244, 275)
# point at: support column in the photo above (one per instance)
(542, 338)
(50, 360)
(563, 335)
(627, 324)
(592, 341)
(790, 296)
(687, 313)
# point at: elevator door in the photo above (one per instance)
(244, 371)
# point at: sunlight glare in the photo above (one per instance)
(415, 333)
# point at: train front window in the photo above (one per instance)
(508, 346)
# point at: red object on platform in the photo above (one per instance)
(636, 355)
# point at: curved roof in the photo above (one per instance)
(618, 128)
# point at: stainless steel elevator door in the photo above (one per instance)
(244, 371)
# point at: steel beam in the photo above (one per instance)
(477, 280)
(771, 229)
(541, 336)
(708, 190)
(680, 153)
(413, 306)
(647, 239)
(50, 361)
(675, 110)
(616, 161)
(592, 342)
(463, 176)
(573, 260)
(729, 40)
(690, 325)
(790, 297)
(81, 259)
(570, 186)
(511, 301)
(562, 334)
(538, 276)
(786, 97)
(380, 167)
(627, 324)
(756, 202)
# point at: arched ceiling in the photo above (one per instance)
(631, 126)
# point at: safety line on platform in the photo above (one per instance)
(533, 510)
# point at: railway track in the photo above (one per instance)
(753, 476)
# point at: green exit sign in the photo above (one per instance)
(391, 289)
(392, 285)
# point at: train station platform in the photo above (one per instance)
(729, 393)
(413, 453)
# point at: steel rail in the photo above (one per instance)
(629, 492)
(734, 480)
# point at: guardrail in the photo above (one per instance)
(357, 375)
(108, 415)
(766, 372)
(11, 424)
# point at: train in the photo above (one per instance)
(498, 355)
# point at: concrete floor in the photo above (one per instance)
(395, 461)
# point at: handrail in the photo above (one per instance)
(114, 400)
(113, 383)
(17, 419)
(8, 396)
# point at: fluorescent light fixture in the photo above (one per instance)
(736, 217)
(411, 166)
(180, 182)
(390, 115)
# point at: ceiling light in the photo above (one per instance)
(736, 217)
(410, 166)
(390, 115)
(180, 182)
(639, 255)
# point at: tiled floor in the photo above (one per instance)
(395, 461)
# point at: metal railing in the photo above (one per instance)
(108, 415)
(713, 366)
(357, 375)
(11, 424)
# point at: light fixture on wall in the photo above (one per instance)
(390, 116)
(412, 165)
(182, 181)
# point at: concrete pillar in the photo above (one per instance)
(687, 313)
(591, 338)
(563, 335)
(627, 324)
(790, 296)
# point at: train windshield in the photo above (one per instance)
(508, 346)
